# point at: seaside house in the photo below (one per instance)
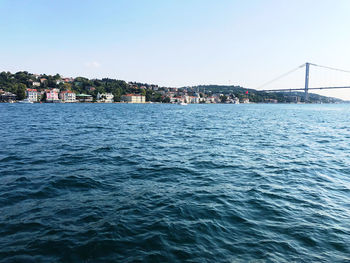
(177, 99)
(235, 100)
(210, 100)
(194, 99)
(32, 95)
(84, 98)
(295, 99)
(7, 97)
(52, 95)
(68, 96)
(105, 97)
(187, 99)
(133, 98)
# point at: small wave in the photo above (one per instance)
(74, 182)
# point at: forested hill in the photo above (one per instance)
(259, 96)
(18, 82)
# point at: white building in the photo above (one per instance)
(133, 98)
(68, 96)
(210, 100)
(32, 95)
(194, 99)
(105, 97)
(177, 99)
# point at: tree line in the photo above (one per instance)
(18, 82)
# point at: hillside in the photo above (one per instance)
(260, 97)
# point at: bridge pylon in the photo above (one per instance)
(307, 70)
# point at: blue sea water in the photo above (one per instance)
(170, 183)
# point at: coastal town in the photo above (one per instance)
(37, 91)
(24, 87)
(67, 96)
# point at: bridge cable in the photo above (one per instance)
(342, 70)
(281, 76)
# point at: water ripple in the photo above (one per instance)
(160, 183)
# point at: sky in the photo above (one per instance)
(180, 42)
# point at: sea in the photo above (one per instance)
(172, 183)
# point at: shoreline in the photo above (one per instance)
(300, 103)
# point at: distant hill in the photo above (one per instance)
(261, 97)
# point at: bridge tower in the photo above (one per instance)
(307, 69)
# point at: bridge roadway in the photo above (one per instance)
(303, 89)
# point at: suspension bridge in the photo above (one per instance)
(306, 88)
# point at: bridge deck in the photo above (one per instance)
(303, 89)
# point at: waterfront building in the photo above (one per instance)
(7, 97)
(176, 99)
(245, 100)
(84, 98)
(133, 98)
(210, 100)
(194, 99)
(32, 95)
(68, 96)
(105, 97)
(295, 99)
(187, 99)
(52, 95)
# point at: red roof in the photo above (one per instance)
(129, 95)
(31, 90)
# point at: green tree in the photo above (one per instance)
(117, 93)
(21, 91)
(223, 98)
(166, 100)
(43, 98)
(67, 86)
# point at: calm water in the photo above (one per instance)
(160, 183)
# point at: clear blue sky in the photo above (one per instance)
(177, 42)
